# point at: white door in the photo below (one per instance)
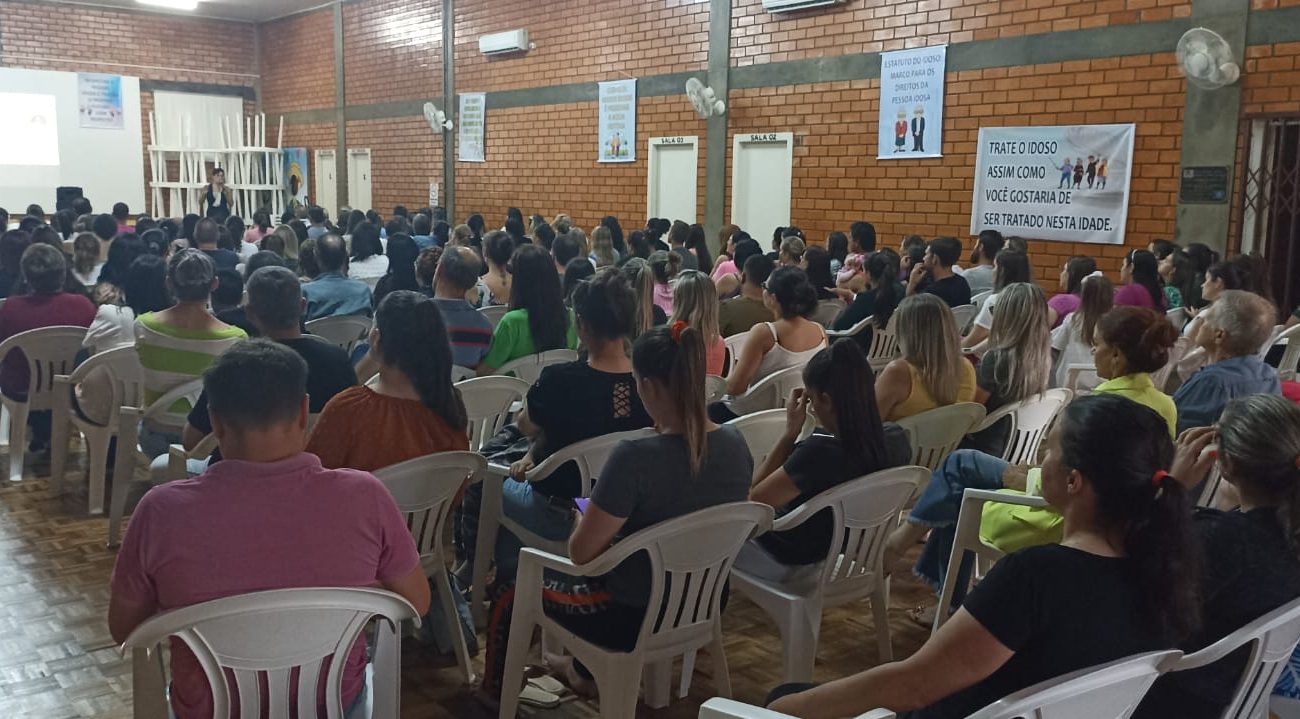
(326, 184)
(359, 180)
(672, 178)
(761, 164)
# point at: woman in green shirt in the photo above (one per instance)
(538, 320)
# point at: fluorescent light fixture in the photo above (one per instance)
(172, 4)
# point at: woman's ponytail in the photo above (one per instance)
(675, 356)
(1259, 436)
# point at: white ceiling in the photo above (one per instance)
(245, 10)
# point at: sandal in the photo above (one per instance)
(923, 615)
(534, 697)
(548, 684)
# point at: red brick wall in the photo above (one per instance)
(758, 36)
(392, 50)
(580, 40)
(319, 136)
(837, 180)
(1271, 81)
(298, 62)
(405, 156)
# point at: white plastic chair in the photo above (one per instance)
(129, 454)
(1272, 639)
(689, 558)
(718, 708)
(124, 385)
(488, 401)
(1290, 339)
(735, 344)
(589, 455)
(979, 298)
(1030, 419)
(1210, 489)
(425, 489)
(884, 341)
(50, 351)
(346, 331)
(460, 374)
(770, 392)
(1108, 691)
(963, 315)
(1177, 317)
(935, 433)
(762, 431)
(857, 327)
(1081, 378)
(827, 311)
(494, 313)
(530, 368)
(865, 512)
(967, 539)
(715, 388)
(273, 636)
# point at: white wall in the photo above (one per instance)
(187, 119)
(107, 164)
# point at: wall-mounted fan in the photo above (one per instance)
(704, 99)
(436, 118)
(1206, 59)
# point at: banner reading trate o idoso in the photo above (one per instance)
(1066, 183)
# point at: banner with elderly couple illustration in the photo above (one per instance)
(1067, 183)
(911, 103)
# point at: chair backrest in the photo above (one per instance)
(126, 377)
(1177, 317)
(1290, 340)
(715, 388)
(979, 298)
(160, 412)
(1272, 340)
(1030, 419)
(425, 489)
(1108, 691)
(275, 637)
(1211, 487)
(963, 315)
(865, 511)
(1160, 378)
(1081, 377)
(1272, 639)
(827, 311)
(859, 326)
(884, 346)
(494, 313)
(530, 368)
(487, 403)
(49, 351)
(460, 374)
(735, 344)
(690, 560)
(762, 431)
(770, 392)
(343, 330)
(589, 455)
(934, 434)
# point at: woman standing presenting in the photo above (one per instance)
(216, 197)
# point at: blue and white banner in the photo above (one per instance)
(99, 100)
(911, 103)
(473, 136)
(617, 110)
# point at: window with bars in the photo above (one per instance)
(1269, 205)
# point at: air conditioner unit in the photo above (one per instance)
(793, 5)
(502, 43)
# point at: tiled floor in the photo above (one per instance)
(57, 659)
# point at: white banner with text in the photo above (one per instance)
(911, 103)
(617, 124)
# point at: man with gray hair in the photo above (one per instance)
(470, 332)
(47, 305)
(274, 306)
(1233, 331)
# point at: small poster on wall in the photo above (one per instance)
(99, 101)
(911, 103)
(1067, 183)
(472, 127)
(617, 121)
(295, 177)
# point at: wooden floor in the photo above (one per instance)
(57, 659)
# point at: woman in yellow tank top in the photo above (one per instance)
(931, 371)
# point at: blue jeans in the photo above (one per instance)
(939, 505)
(534, 511)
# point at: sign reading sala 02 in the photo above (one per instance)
(766, 137)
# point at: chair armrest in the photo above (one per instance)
(992, 418)
(878, 714)
(985, 495)
(602, 564)
(496, 470)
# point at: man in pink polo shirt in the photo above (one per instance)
(268, 516)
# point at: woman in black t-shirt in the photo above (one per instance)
(850, 442)
(1121, 582)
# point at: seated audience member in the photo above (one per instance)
(980, 275)
(412, 409)
(368, 262)
(1231, 331)
(544, 236)
(664, 266)
(144, 290)
(206, 235)
(698, 245)
(188, 542)
(45, 304)
(1073, 273)
(1122, 581)
(421, 231)
(229, 291)
(426, 267)
(274, 309)
(441, 233)
(935, 276)
(105, 228)
(564, 250)
(332, 292)
(931, 371)
(1142, 286)
(400, 273)
(577, 270)
(260, 228)
(318, 219)
(538, 320)
(468, 329)
(730, 285)
(726, 263)
(1131, 343)
(881, 294)
(850, 442)
(789, 341)
(498, 248)
(1009, 268)
(695, 302)
(641, 277)
(1178, 278)
(691, 464)
(1073, 340)
(603, 253)
(817, 265)
(462, 236)
(616, 234)
(12, 245)
(121, 213)
(85, 259)
(862, 244)
(1017, 363)
(678, 235)
(740, 313)
(1251, 565)
(791, 252)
